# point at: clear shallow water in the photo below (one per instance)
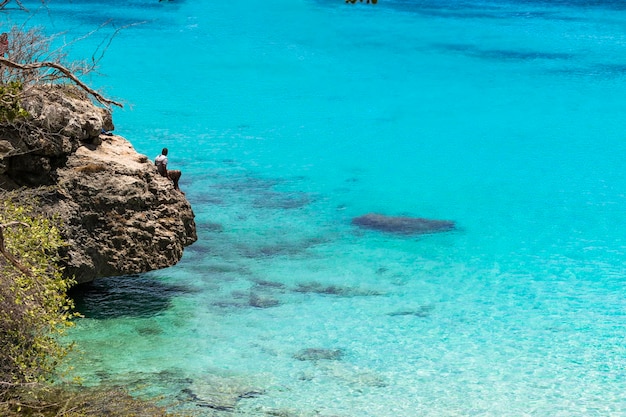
(288, 118)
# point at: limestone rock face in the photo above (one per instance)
(121, 216)
(62, 119)
(118, 215)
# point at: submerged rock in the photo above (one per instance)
(316, 354)
(261, 301)
(402, 225)
(219, 393)
(422, 311)
(268, 284)
(119, 217)
(340, 291)
(356, 377)
(285, 201)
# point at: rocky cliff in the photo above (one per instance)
(118, 215)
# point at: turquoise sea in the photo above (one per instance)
(290, 117)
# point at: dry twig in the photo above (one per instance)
(69, 74)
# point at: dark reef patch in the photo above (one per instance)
(282, 200)
(241, 299)
(209, 227)
(149, 330)
(286, 248)
(316, 354)
(248, 184)
(268, 284)
(505, 55)
(336, 290)
(422, 311)
(219, 398)
(268, 251)
(402, 225)
(205, 198)
(501, 54)
(263, 194)
(262, 301)
(610, 70)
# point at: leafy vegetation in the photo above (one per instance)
(34, 312)
(34, 307)
(10, 107)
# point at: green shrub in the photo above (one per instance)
(34, 307)
(10, 108)
(34, 312)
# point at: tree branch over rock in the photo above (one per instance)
(19, 4)
(66, 72)
(47, 107)
(28, 58)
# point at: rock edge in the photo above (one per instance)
(118, 215)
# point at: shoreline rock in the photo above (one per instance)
(118, 215)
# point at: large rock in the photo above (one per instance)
(118, 215)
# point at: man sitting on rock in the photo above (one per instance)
(161, 164)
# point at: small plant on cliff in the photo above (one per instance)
(10, 107)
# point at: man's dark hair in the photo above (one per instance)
(164, 151)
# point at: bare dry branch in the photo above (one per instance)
(68, 73)
(19, 4)
(110, 39)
